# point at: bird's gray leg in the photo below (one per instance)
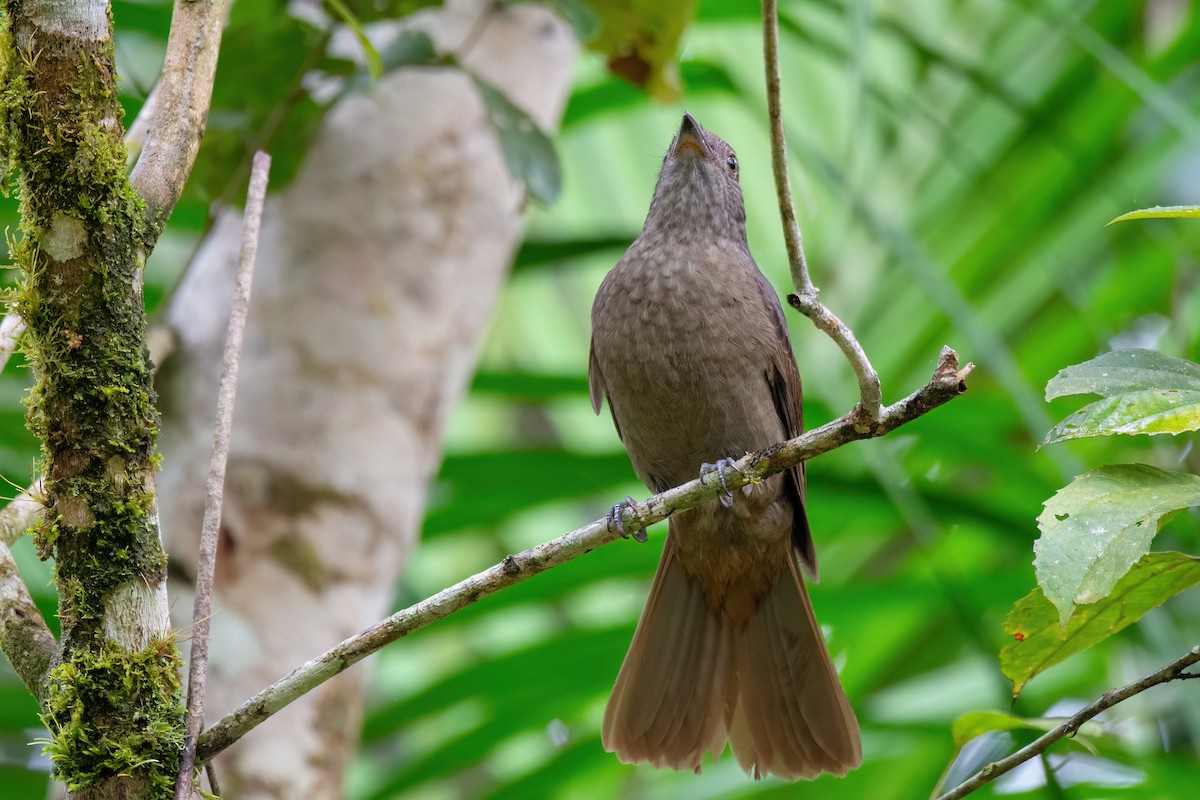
(723, 464)
(615, 524)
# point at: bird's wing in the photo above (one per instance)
(597, 389)
(783, 378)
(595, 380)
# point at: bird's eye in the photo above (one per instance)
(732, 163)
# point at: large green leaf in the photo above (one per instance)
(1097, 527)
(1148, 411)
(1121, 371)
(1144, 391)
(1040, 641)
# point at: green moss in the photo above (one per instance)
(45, 536)
(120, 543)
(115, 713)
(84, 235)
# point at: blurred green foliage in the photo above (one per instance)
(955, 162)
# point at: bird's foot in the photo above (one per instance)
(614, 521)
(722, 465)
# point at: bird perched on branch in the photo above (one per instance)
(691, 351)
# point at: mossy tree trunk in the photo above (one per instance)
(112, 702)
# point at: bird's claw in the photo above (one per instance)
(615, 524)
(723, 464)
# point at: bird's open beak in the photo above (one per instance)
(691, 138)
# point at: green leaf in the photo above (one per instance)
(528, 153)
(409, 47)
(968, 726)
(1159, 212)
(1144, 391)
(1121, 371)
(1098, 526)
(1039, 640)
(375, 10)
(641, 39)
(576, 13)
(534, 253)
(1151, 411)
(258, 103)
(374, 64)
(525, 387)
(612, 95)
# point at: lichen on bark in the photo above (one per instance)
(113, 705)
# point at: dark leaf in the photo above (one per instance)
(528, 153)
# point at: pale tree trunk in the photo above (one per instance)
(378, 269)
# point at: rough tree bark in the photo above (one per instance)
(111, 699)
(378, 270)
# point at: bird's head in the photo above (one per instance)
(698, 194)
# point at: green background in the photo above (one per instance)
(954, 165)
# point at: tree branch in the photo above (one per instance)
(20, 513)
(1171, 672)
(11, 328)
(181, 104)
(24, 637)
(227, 390)
(806, 299)
(947, 383)
(135, 134)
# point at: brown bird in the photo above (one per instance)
(690, 348)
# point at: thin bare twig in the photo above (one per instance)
(214, 785)
(947, 383)
(202, 609)
(792, 237)
(180, 110)
(1172, 672)
(806, 298)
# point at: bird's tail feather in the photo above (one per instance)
(693, 679)
(668, 705)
